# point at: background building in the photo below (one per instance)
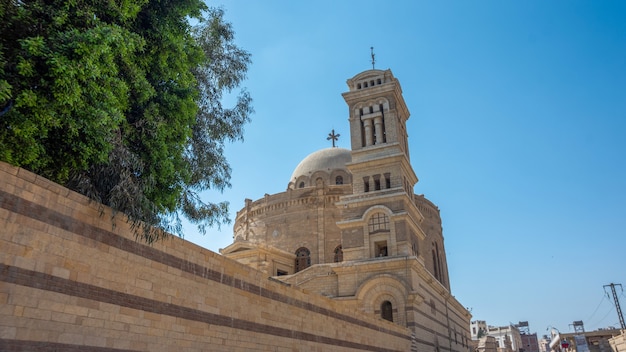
(507, 338)
(530, 343)
(591, 341)
(544, 343)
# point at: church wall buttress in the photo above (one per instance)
(352, 238)
(401, 230)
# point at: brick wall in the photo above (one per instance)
(71, 281)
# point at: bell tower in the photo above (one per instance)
(380, 217)
(378, 113)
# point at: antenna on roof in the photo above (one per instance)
(373, 59)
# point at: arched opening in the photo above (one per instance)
(378, 228)
(435, 265)
(439, 263)
(301, 185)
(339, 180)
(378, 222)
(338, 254)
(386, 311)
(303, 259)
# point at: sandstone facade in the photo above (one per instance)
(70, 281)
(349, 226)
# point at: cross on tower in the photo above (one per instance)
(332, 136)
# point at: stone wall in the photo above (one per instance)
(618, 343)
(71, 281)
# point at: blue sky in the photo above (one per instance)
(517, 132)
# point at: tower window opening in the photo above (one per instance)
(436, 266)
(387, 181)
(371, 109)
(303, 258)
(378, 81)
(380, 249)
(366, 184)
(372, 83)
(365, 84)
(338, 254)
(439, 263)
(386, 311)
(383, 132)
(378, 222)
(301, 185)
(377, 183)
(358, 86)
(363, 139)
(339, 180)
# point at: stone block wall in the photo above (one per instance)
(618, 343)
(71, 281)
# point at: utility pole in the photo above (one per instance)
(619, 310)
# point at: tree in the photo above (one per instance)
(122, 101)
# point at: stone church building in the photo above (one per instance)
(355, 260)
(349, 226)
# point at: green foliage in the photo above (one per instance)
(122, 101)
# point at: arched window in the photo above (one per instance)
(303, 259)
(378, 222)
(338, 254)
(339, 180)
(439, 263)
(415, 249)
(301, 185)
(435, 265)
(386, 311)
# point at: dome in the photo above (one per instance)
(329, 159)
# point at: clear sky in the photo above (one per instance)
(517, 132)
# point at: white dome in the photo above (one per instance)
(328, 160)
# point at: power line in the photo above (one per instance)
(596, 310)
(606, 315)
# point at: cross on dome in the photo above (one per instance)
(332, 136)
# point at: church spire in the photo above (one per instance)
(373, 55)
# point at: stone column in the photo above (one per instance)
(378, 127)
(367, 123)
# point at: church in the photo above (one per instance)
(350, 227)
(347, 258)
